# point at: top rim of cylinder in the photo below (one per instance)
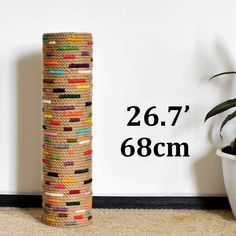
(68, 33)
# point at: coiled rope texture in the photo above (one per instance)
(67, 127)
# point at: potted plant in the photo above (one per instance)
(228, 153)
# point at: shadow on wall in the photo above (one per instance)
(29, 124)
(208, 168)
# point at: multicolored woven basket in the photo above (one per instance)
(67, 127)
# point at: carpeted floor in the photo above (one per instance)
(106, 222)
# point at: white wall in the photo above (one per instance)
(146, 53)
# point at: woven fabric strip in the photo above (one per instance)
(67, 129)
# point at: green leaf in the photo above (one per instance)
(227, 119)
(223, 73)
(224, 106)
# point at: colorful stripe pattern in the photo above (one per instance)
(67, 128)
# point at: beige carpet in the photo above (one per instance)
(26, 222)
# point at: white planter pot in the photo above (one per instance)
(229, 173)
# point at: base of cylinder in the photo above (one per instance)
(76, 224)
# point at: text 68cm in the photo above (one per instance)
(144, 148)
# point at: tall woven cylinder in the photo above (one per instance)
(67, 127)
